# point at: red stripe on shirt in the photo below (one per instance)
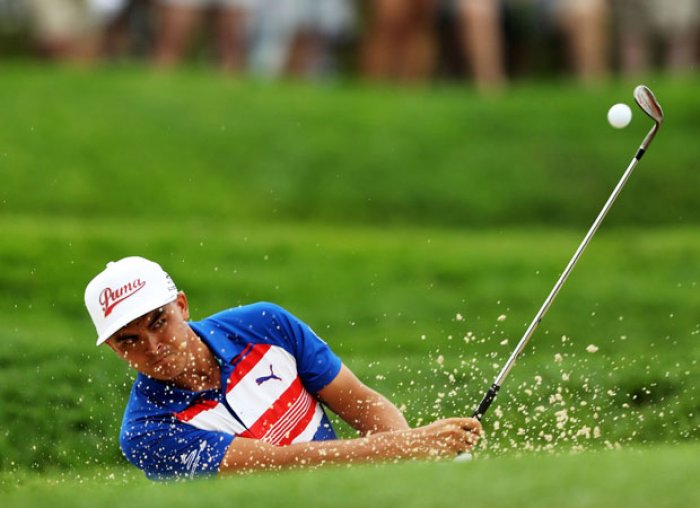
(192, 411)
(287, 422)
(278, 409)
(301, 423)
(246, 363)
(282, 409)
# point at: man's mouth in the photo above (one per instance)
(160, 360)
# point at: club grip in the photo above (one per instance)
(486, 401)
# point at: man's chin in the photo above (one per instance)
(165, 370)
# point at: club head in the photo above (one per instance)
(646, 100)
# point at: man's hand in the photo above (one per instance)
(443, 438)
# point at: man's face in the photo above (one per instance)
(156, 344)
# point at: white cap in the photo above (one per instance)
(126, 290)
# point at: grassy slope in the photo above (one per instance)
(652, 477)
(130, 144)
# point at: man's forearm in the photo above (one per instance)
(378, 414)
(254, 455)
(443, 438)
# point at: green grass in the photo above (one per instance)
(650, 477)
(131, 144)
(395, 222)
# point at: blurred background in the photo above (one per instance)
(486, 43)
(407, 176)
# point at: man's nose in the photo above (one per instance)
(151, 343)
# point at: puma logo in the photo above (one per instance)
(110, 298)
(272, 375)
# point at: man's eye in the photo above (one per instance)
(157, 324)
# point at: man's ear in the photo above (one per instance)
(181, 302)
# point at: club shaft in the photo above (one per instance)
(565, 275)
(493, 390)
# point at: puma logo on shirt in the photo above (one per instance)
(262, 379)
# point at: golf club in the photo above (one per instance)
(648, 103)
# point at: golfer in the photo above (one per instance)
(242, 390)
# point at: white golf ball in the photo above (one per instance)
(619, 115)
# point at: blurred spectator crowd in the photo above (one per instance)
(487, 42)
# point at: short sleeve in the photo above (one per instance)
(167, 449)
(317, 364)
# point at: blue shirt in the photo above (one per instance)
(271, 365)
